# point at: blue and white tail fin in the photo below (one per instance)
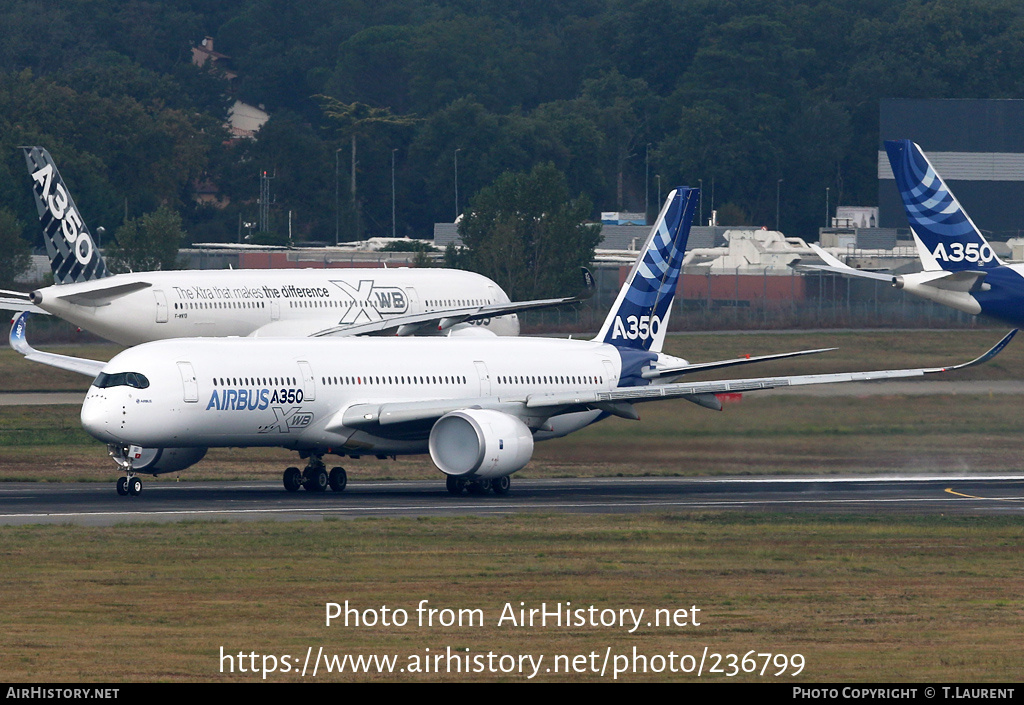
(947, 237)
(639, 318)
(73, 254)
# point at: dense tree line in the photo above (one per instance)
(623, 97)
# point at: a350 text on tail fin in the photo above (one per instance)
(73, 254)
(941, 225)
(639, 317)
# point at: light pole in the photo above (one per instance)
(457, 183)
(647, 181)
(336, 201)
(393, 191)
(826, 206)
(658, 177)
(700, 182)
(778, 185)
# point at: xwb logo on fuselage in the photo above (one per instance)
(371, 303)
(958, 252)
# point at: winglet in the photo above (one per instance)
(19, 343)
(588, 285)
(17, 338)
(993, 351)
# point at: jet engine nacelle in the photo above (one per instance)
(480, 443)
(156, 461)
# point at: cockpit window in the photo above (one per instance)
(121, 379)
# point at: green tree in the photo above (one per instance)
(148, 243)
(528, 235)
(358, 119)
(14, 250)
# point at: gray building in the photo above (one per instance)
(977, 146)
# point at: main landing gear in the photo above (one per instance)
(130, 484)
(315, 478)
(458, 485)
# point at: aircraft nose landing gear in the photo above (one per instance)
(130, 484)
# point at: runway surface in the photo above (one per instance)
(99, 505)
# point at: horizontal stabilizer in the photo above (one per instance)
(658, 372)
(835, 266)
(18, 301)
(102, 294)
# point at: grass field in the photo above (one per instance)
(861, 599)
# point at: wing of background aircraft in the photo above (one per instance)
(436, 321)
(428, 323)
(19, 343)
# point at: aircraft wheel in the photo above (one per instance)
(479, 487)
(338, 479)
(134, 486)
(292, 479)
(316, 480)
(501, 485)
(455, 485)
(122, 486)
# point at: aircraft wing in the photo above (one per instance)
(433, 322)
(619, 402)
(19, 343)
(18, 301)
(691, 389)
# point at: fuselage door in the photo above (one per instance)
(275, 310)
(414, 300)
(161, 305)
(485, 378)
(308, 383)
(189, 383)
(609, 372)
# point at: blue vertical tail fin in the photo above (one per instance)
(73, 254)
(639, 317)
(947, 237)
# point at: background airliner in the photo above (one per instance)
(146, 306)
(475, 404)
(959, 268)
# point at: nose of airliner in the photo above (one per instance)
(97, 417)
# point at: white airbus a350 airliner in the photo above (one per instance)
(140, 307)
(476, 405)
